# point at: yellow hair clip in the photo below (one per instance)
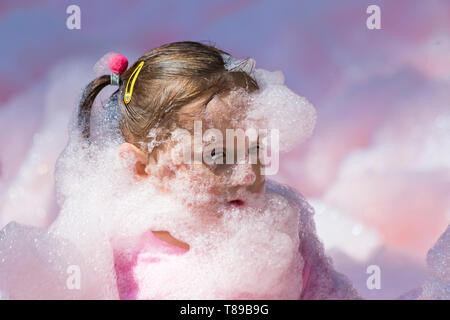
(128, 94)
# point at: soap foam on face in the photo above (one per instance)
(249, 251)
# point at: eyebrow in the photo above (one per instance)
(210, 98)
(194, 106)
(208, 143)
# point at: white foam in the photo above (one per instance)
(282, 109)
(275, 106)
(437, 286)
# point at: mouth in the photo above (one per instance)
(236, 203)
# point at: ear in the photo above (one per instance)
(127, 151)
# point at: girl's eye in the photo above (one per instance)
(254, 148)
(216, 154)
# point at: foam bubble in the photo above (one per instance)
(276, 107)
(437, 285)
(35, 264)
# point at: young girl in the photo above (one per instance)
(154, 202)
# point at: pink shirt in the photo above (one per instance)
(124, 263)
(150, 249)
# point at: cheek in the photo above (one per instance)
(199, 188)
(207, 180)
(260, 179)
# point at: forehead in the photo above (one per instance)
(224, 111)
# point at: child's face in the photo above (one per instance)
(215, 182)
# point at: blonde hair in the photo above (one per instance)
(172, 75)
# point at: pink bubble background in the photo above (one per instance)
(377, 168)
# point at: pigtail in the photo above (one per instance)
(87, 100)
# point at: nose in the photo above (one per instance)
(243, 175)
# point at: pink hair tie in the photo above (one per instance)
(117, 64)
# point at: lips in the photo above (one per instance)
(236, 203)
